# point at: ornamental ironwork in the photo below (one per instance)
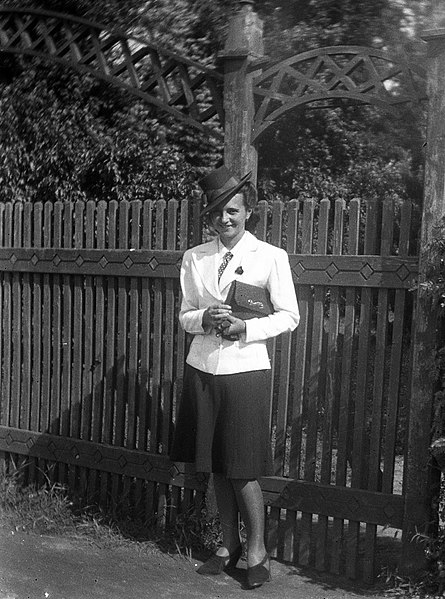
(174, 84)
(319, 77)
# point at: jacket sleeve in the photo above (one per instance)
(190, 315)
(282, 294)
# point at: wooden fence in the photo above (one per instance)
(92, 362)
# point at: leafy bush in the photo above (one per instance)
(65, 136)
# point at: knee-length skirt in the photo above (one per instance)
(223, 423)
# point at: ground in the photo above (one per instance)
(35, 566)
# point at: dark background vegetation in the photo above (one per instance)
(65, 136)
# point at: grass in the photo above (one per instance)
(49, 510)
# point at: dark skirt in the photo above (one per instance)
(223, 424)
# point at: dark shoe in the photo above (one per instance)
(259, 574)
(217, 563)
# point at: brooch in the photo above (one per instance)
(239, 270)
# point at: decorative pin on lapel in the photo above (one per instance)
(239, 270)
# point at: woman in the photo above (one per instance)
(223, 420)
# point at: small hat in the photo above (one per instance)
(219, 186)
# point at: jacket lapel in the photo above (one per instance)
(206, 264)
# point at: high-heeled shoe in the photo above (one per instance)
(218, 563)
(259, 574)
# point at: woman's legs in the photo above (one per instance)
(228, 514)
(251, 505)
(234, 496)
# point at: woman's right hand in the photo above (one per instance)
(214, 316)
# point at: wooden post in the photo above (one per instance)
(419, 472)
(244, 46)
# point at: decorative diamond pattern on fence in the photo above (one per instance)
(389, 271)
(149, 263)
(118, 460)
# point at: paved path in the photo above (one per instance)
(43, 567)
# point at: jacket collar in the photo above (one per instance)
(207, 261)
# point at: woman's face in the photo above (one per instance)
(229, 220)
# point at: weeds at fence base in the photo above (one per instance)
(49, 510)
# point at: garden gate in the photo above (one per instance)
(91, 353)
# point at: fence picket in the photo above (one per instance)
(377, 411)
(87, 478)
(181, 339)
(97, 367)
(157, 399)
(4, 413)
(396, 359)
(25, 408)
(107, 480)
(7, 321)
(292, 405)
(121, 486)
(317, 395)
(46, 325)
(45, 393)
(56, 348)
(330, 390)
(35, 470)
(310, 408)
(170, 327)
(16, 298)
(133, 345)
(278, 401)
(146, 396)
(345, 425)
(77, 343)
(359, 469)
(67, 312)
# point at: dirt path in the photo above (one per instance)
(43, 567)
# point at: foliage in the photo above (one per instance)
(433, 581)
(92, 141)
(340, 158)
(65, 136)
(433, 288)
(344, 151)
(434, 284)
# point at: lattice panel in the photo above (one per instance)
(183, 88)
(316, 77)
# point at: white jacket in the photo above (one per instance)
(262, 264)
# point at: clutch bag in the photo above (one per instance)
(249, 301)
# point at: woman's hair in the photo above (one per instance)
(250, 197)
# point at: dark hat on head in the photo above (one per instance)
(219, 186)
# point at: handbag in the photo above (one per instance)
(249, 301)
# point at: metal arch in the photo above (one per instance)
(176, 85)
(356, 73)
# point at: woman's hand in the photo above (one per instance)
(233, 327)
(215, 315)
